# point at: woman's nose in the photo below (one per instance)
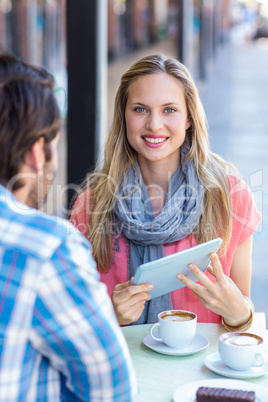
(154, 122)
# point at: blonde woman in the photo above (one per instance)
(161, 190)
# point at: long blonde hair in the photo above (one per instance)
(215, 220)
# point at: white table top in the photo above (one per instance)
(160, 375)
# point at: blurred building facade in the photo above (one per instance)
(35, 30)
(196, 26)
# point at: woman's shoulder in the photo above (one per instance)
(84, 201)
(81, 210)
(244, 210)
(238, 188)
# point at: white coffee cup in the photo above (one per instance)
(241, 350)
(177, 328)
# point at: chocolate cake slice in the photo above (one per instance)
(210, 394)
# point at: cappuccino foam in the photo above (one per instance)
(178, 316)
(242, 341)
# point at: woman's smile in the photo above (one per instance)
(154, 141)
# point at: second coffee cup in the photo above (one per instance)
(177, 328)
(241, 350)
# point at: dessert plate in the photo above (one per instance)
(186, 393)
(214, 363)
(199, 343)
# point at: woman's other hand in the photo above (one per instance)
(128, 301)
(222, 297)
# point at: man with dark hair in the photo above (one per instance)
(59, 338)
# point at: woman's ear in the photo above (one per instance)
(188, 123)
(35, 156)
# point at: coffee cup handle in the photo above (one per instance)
(151, 331)
(259, 360)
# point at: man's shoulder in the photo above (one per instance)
(34, 231)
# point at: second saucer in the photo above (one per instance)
(214, 363)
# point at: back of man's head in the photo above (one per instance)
(28, 111)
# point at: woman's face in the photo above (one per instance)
(156, 118)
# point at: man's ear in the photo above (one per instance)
(35, 156)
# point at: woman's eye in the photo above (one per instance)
(170, 110)
(139, 109)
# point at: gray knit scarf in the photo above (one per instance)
(147, 234)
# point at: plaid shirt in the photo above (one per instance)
(58, 332)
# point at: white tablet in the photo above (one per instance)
(162, 273)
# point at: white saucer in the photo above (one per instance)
(186, 393)
(199, 343)
(214, 363)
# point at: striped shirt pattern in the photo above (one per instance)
(59, 338)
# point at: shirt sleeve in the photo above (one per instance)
(245, 214)
(75, 327)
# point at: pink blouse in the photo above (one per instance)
(246, 218)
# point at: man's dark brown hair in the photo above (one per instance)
(28, 111)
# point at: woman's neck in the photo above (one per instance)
(156, 177)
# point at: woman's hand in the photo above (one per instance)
(222, 297)
(128, 301)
